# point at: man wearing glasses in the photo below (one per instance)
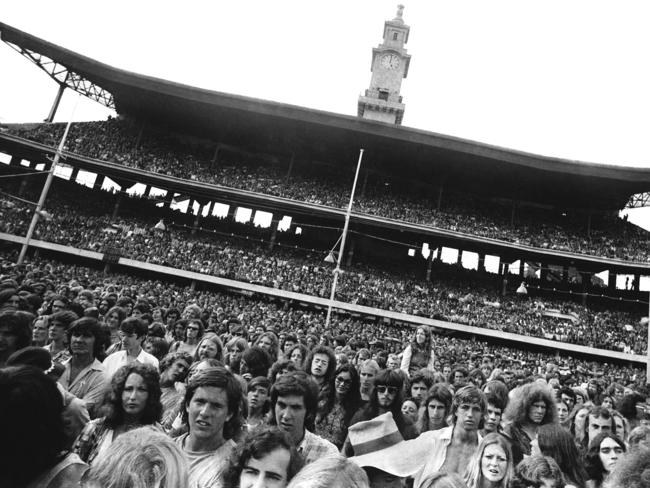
(387, 396)
(132, 333)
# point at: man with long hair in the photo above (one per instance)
(452, 448)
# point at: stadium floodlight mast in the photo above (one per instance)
(38, 212)
(337, 270)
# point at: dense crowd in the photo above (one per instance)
(121, 142)
(143, 382)
(469, 298)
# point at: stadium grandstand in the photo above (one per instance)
(240, 203)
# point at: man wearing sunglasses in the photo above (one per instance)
(387, 396)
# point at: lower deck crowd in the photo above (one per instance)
(122, 380)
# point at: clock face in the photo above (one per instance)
(390, 61)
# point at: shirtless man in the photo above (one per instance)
(452, 447)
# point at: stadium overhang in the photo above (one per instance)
(312, 135)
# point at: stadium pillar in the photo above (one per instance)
(74, 174)
(459, 261)
(147, 190)
(439, 197)
(197, 220)
(429, 265)
(611, 281)
(481, 263)
(565, 274)
(15, 161)
(169, 196)
(96, 184)
(635, 282)
(116, 208)
(57, 100)
(232, 211)
(139, 139)
(290, 170)
(522, 266)
(506, 270)
(274, 232)
(543, 272)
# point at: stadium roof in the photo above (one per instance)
(313, 135)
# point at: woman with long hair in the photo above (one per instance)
(270, 343)
(321, 366)
(235, 349)
(299, 355)
(209, 347)
(557, 442)
(333, 426)
(491, 466)
(602, 457)
(419, 353)
(134, 401)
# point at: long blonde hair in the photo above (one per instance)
(474, 474)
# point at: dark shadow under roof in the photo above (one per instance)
(280, 129)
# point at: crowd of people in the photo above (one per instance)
(125, 142)
(142, 382)
(463, 298)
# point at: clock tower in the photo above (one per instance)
(390, 64)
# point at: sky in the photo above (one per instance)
(559, 78)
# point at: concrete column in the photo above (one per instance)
(57, 100)
(481, 262)
(274, 233)
(74, 174)
(116, 208)
(429, 265)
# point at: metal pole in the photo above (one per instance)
(337, 270)
(46, 189)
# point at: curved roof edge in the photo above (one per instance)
(428, 152)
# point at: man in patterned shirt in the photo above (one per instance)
(294, 401)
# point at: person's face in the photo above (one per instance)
(129, 341)
(418, 391)
(507, 376)
(446, 370)
(288, 345)
(536, 412)
(82, 344)
(57, 306)
(607, 402)
(392, 363)
(56, 332)
(113, 320)
(269, 472)
(290, 413)
(7, 340)
(342, 383)
(598, 425)
(562, 412)
(319, 365)
(265, 343)
(459, 378)
(171, 318)
(180, 330)
(310, 342)
(494, 463)
(382, 479)
(437, 412)
(207, 412)
(609, 453)
(367, 378)
(207, 350)
(486, 370)
(192, 331)
(296, 357)
(580, 400)
(234, 354)
(620, 427)
(568, 400)
(410, 410)
(257, 397)
(618, 394)
(259, 330)
(178, 370)
(134, 396)
(156, 315)
(386, 395)
(39, 333)
(420, 336)
(468, 416)
(492, 418)
(85, 302)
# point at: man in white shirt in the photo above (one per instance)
(211, 409)
(132, 333)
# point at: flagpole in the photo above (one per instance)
(46, 189)
(337, 270)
